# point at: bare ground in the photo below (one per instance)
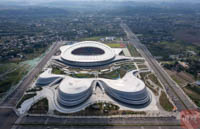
(182, 78)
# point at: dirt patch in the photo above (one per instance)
(193, 94)
(182, 78)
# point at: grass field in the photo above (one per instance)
(124, 68)
(155, 91)
(181, 78)
(154, 79)
(128, 67)
(96, 38)
(41, 107)
(112, 75)
(36, 53)
(83, 75)
(57, 71)
(194, 93)
(12, 79)
(177, 80)
(165, 103)
(144, 74)
(133, 51)
(142, 66)
(116, 45)
(165, 49)
(188, 35)
(6, 67)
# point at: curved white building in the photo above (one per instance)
(129, 89)
(47, 78)
(73, 91)
(88, 53)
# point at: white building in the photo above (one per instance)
(129, 90)
(75, 91)
(89, 54)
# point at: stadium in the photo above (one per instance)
(89, 54)
(73, 91)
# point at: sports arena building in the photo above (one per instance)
(89, 54)
(73, 91)
(129, 90)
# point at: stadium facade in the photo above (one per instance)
(89, 54)
(75, 91)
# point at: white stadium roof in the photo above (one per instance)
(129, 83)
(107, 55)
(74, 85)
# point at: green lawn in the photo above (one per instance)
(194, 93)
(142, 66)
(128, 67)
(154, 79)
(177, 80)
(57, 71)
(96, 38)
(124, 68)
(144, 74)
(155, 91)
(165, 103)
(41, 107)
(133, 51)
(165, 48)
(139, 60)
(83, 75)
(37, 53)
(112, 75)
(6, 67)
(12, 79)
(114, 45)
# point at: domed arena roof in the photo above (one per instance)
(88, 52)
(74, 85)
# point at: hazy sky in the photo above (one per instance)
(36, 1)
(46, 1)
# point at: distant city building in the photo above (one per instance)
(108, 38)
